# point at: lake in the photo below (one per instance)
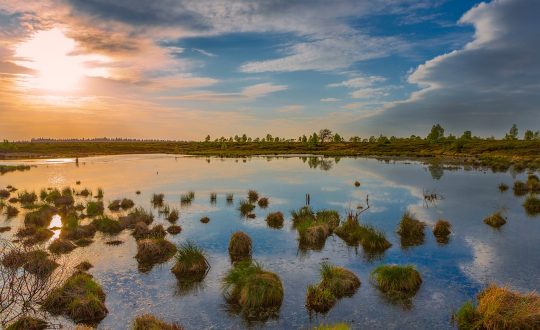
(452, 273)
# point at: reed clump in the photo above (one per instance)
(150, 322)
(240, 247)
(354, 233)
(253, 196)
(396, 280)
(137, 215)
(61, 246)
(151, 251)
(191, 263)
(95, 208)
(441, 231)
(157, 199)
(107, 225)
(500, 308)
(258, 293)
(275, 220)
(410, 230)
(496, 220)
(173, 216)
(80, 298)
(28, 323)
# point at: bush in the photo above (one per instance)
(495, 220)
(410, 230)
(275, 220)
(240, 247)
(80, 298)
(397, 280)
(150, 322)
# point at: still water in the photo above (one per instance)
(452, 274)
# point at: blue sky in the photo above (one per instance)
(181, 69)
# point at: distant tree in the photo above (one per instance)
(436, 134)
(383, 139)
(337, 138)
(372, 139)
(467, 135)
(207, 139)
(355, 139)
(244, 138)
(325, 135)
(304, 138)
(512, 133)
(530, 135)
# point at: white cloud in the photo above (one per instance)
(204, 52)
(359, 82)
(260, 90)
(293, 108)
(329, 99)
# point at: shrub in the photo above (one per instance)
(275, 220)
(495, 220)
(257, 292)
(410, 230)
(80, 298)
(441, 231)
(28, 323)
(191, 263)
(150, 322)
(253, 196)
(500, 308)
(107, 225)
(151, 251)
(263, 202)
(532, 205)
(94, 208)
(60, 246)
(174, 229)
(240, 247)
(397, 280)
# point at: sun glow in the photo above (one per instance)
(51, 55)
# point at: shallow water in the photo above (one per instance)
(452, 274)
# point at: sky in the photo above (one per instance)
(182, 69)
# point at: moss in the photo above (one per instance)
(275, 220)
(107, 225)
(61, 246)
(191, 262)
(441, 231)
(153, 251)
(253, 196)
(27, 323)
(263, 202)
(41, 217)
(319, 299)
(80, 298)
(410, 230)
(240, 247)
(495, 220)
(205, 219)
(532, 205)
(94, 208)
(257, 292)
(150, 322)
(397, 280)
(174, 229)
(500, 308)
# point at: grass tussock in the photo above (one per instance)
(257, 292)
(191, 263)
(84, 266)
(100, 193)
(441, 231)
(61, 246)
(27, 323)
(157, 199)
(357, 184)
(496, 220)
(354, 233)
(126, 203)
(150, 322)
(137, 215)
(11, 211)
(174, 229)
(213, 198)
(410, 230)
(240, 247)
(319, 299)
(26, 197)
(142, 231)
(532, 205)
(115, 205)
(314, 228)
(173, 216)
(107, 225)
(503, 187)
(41, 217)
(80, 298)
(34, 235)
(500, 308)
(78, 232)
(205, 219)
(396, 280)
(275, 220)
(187, 198)
(151, 251)
(95, 208)
(253, 196)
(4, 193)
(229, 198)
(245, 207)
(36, 262)
(263, 202)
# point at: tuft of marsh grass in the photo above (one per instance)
(80, 298)
(191, 262)
(319, 299)
(157, 199)
(100, 193)
(41, 217)
(173, 216)
(205, 219)
(340, 281)
(357, 184)
(257, 292)
(397, 280)
(11, 211)
(174, 229)
(137, 215)
(500, 308)
(114, 205)
(107, 225)
(95, 208)
(27, 323)
(240, 247)
(4, 193)
(187, 199)
(85, 192)
(353, 233)
(126, 203)
(245, 207)
(213, 198)
(503, 187)
(410, 230)
(150, 322)
(84, 266)
(26, 197)
(496, 220)
(142, 231)
(164, 209)
(532, 205)
(151, 251)
(35, 262)
(263, 202)
(229, 198)
(275, 220)
(441, 231)
(253, 196)
(61, 246)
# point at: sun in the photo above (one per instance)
(51, 55)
